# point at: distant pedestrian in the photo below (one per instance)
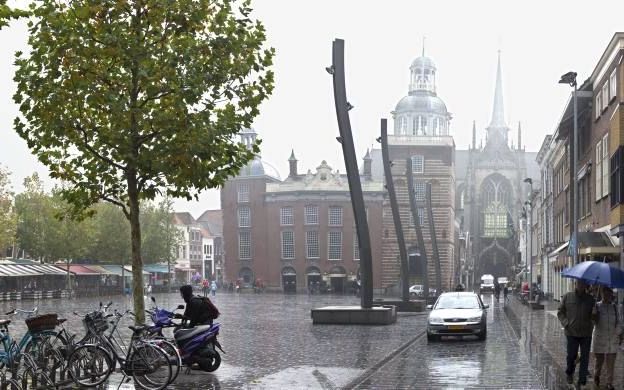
(205, 285)
(497, 290)
(607, 336)
(506, 293)
(575, 314)
(213, 288)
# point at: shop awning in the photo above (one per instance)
(99, 269)
(78, 270)
(113, 269)
(116, 270)
(560, 249)
(47, 269)
(591, 243)
(158, 268)
(18, 270)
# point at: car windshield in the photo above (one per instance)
(458, 302)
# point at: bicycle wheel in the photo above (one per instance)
(172, 352)
(89, 365)
(150, 367)
(46, 350)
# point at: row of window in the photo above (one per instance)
(606, 94)
(421, 125)
(312, 245)
(311, 215)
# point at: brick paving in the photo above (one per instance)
(269, 339)
(497, 363)
(543, 338)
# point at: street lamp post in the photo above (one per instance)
(570, 79)
(529, 239)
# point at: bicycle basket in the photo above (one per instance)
(95, 322)
(41, 323)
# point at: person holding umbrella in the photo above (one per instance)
(577, 309)
(607, 336)
(575, 314)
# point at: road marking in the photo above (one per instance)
(380, 364)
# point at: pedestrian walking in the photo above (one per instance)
(205, 286)
(607, 336)
(505, 293)
(496, 290)
(575, 314)
(213, 288)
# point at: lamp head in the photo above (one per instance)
(568, 78)
(528, 180)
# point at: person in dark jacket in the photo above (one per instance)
(195, 310)
(575, 314)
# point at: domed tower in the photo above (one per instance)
(421, 112)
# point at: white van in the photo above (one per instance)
(487, 283)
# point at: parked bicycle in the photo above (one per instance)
(91, 364)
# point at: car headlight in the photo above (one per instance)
(474, 319)
(435, 320)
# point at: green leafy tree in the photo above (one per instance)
(128, 99)
(159, 237)
(8, 217)
(7, 13)
(34, 213)
(109, 241)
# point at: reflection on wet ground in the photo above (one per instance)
(269, 339)
(497, 363)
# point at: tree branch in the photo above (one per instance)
(94, 152)
(117, 203)
(157, 96)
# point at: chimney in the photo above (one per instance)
(368, 163)
(292, 162)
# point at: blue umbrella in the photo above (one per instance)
(595, 272)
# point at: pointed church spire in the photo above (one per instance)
(498, 111)
(474, 134)
(423, 47)
(519, 136)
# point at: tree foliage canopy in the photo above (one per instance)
(154, 89)
(127, 99)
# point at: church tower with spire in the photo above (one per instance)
(491, 192)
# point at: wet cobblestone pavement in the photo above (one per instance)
(271, 344)
(497, 363)
(269, 340)
(543, 341)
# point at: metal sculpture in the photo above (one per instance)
(353, 174)
(398, 228)
(419, 234)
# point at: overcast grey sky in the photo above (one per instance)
(539, 41)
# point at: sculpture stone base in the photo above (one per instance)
(401, 306)
(354, 315)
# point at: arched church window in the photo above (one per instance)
(461, 199)
(496, 199)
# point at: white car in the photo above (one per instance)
(457, 314)
(416, 290)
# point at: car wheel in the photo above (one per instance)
(483, 334)
(432, 337)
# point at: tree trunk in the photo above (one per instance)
(137, 262)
